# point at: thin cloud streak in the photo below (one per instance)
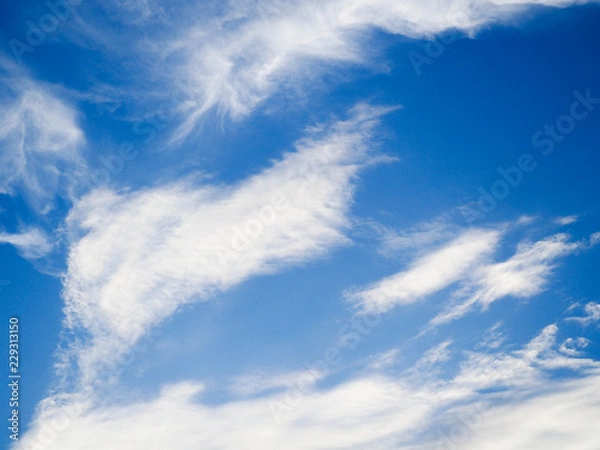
(466, 263)
(429, 274)
(523, 275)
(30, 243)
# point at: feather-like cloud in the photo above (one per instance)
(136, 257)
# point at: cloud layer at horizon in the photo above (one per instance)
(379, 409)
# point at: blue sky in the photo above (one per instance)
(305, 225)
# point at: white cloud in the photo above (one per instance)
(135, 11)
(257, 48)
(40, 143)
(526, 220)
(428, 274)
(493, 337)
(234, 56)
(136, 257)
(592, 310)
(30, 243)
(340, 417)
(565, 418)
(263, 381)
(423, 235)
(384, 360)
(566, 220)
(371, 411)
(523, 275)
(521, 369)
(466, 262)
(574, 346)
(433, 357)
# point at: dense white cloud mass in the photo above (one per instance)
(137, 256)
(375, 410)
(566, 419)
(40, 143)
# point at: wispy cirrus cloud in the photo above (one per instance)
(466, 266)
(396, 243)
(592, 314)
(233, 57)
(262, 382)
(235, 64)
(136, 257)
(31, 243)
(428, 274)
(40, 143)
(523, 275)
